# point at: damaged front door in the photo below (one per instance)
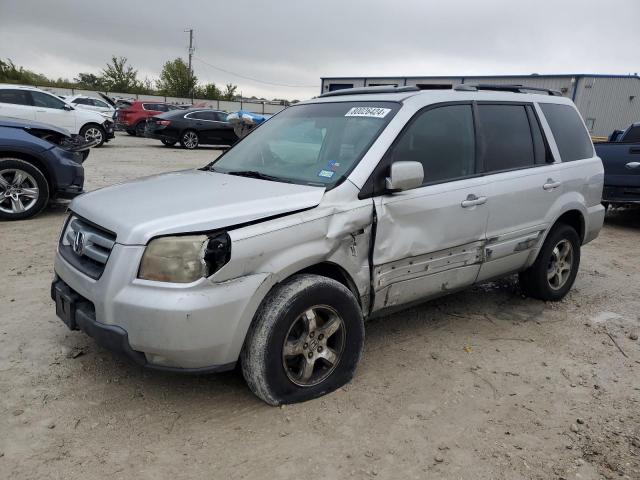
(430, 239)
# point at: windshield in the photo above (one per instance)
(314, 144)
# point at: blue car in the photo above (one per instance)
(38, 163)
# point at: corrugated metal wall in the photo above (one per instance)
(612, 103)
(606, 103)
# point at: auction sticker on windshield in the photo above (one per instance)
(375, 112)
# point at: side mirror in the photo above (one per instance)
(404, 176)
(68, 108)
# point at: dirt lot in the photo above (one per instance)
(483, 384)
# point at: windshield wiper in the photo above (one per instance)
(256, 174)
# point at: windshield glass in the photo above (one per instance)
(314, 144)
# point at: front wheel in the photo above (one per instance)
(189, 140)
(94, 132)
(24, 190)
(306, 340)
(552, 274)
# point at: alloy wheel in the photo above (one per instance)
(190, 140)
(313, 346)
(18, 191)
(560, 264)
(93, 133)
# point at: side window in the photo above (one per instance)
(100, 103)
(149, 106)
(568, 131)
(46, 101)
(540, 146)
(81, 101)
(221, 116)
(507, 137)
(15, 97)
(161, 107)
(632, 135)
(443, 140)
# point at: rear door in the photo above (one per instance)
(16, 103)
(429, 240)
(523, 184)
(50, 109)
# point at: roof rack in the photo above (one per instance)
(469, 87)
(369, 90)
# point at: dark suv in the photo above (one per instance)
(38, 162)
(133, 118)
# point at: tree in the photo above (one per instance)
(208, 91)
(120, 77)
(229, 91)
(175, 79)
(89, 81)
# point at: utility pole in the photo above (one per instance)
(190, 69)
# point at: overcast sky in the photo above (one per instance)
(295, 42)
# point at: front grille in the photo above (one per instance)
(86, 246)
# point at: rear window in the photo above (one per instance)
(632, 135)
(568, 131)
(507, 137)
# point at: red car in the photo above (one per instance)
(132, 118)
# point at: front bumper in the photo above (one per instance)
(83, 317)
(67, 172)
(198, 327)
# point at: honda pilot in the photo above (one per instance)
(336, 210)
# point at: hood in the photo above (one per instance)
(89, 115)
(189, 201)
(29, 124)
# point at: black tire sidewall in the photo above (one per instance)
(277, 322)
(43, 187)
(559, 233)
(139, 130)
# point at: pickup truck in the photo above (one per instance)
(621, 159)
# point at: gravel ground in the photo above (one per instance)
(482, 384)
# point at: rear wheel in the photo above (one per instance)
(306, 340)
(93, 132)
(24, 190)
(189, 139)
(552, 275)
(140, 128)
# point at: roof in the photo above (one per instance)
(532, 75)
(436, 96)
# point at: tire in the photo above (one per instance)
(20, 204)
(277, 377)
(140, 126)
(131, 132)
(606, 206)
(168, 143)
(189, 139)
(547, 279)
(94, 132)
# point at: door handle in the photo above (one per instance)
(472, 201)
(551, 184)
(634, 150)
(632, 165)
(41, 111)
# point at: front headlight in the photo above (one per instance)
(185, 259)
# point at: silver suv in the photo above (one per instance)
(333, 211)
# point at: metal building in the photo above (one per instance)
(606, 102)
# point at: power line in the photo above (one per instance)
(254, 79)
